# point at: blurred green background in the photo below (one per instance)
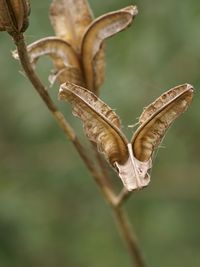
(51, 211)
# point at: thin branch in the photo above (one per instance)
(128, 237)
(123, 196)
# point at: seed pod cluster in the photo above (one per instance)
(78, 49)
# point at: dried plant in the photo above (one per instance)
(77, 52)
(102, 126)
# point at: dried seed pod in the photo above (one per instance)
(14, 15)
(131, 160)
(100, 29)
(69, 19)
(65, 60)
(157, 118)
(101, 124)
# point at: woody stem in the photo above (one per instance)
(128, 236)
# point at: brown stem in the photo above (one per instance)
(109, 195)
(128, 236)
(123, 196)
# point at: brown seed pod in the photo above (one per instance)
(101, 124)
(131, 160)
(157, 118)
(92, 43)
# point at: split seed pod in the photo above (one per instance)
(14, 15)
(80, 37)
(131, 160)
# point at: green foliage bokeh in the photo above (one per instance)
(51, 211)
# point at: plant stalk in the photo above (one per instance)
(128, 236)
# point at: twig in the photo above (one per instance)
(123, 196)
(128, 236)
